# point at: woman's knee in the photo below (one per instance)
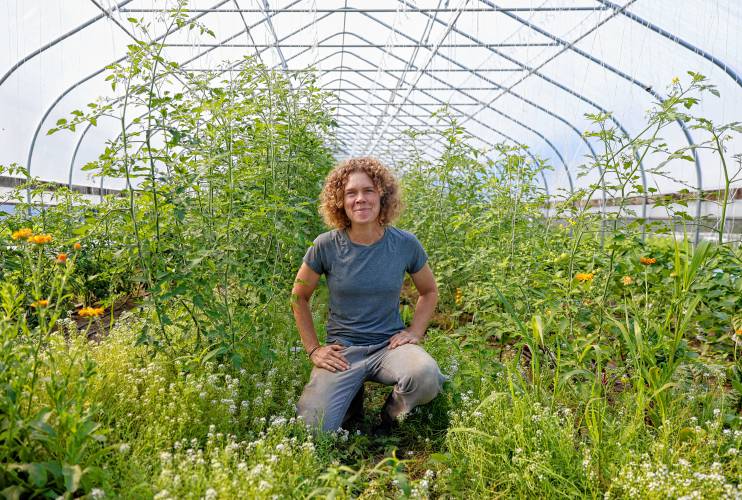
(422, 377)
(325, 399)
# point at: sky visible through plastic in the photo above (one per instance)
(516, 71)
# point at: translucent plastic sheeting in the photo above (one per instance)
(523, 72)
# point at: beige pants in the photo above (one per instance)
(412, 371)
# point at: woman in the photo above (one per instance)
(365, 260)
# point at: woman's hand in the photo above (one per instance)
(404, 337)
(330, 358)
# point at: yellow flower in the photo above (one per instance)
(40, 239)
(22, 234)
(647, 260)
(676, 80)
(90, 312)
(40, 303)
(584, 276)
(627, 280)
(77, 246)
(738, 331)
(61, 258)
(459, 296)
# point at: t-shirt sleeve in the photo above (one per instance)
(315, 257)
(418, 257)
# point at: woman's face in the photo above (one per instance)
(361, 199)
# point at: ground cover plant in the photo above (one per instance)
(587, 357)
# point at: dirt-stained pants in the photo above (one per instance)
(412, 371)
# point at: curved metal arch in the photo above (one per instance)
(51, 44)
(443, 103)
(569, 177)
(292, 57)
(488, 143)
(625, 76)
(698, 51)
(77, 84)
(97, 72)
(88, 126)
(492, 82)
(557, 84)
(234, 36)
(453, 88)
(360, 105)
(676, 39)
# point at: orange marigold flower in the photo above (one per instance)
(627, 280)
(738, 331)
(22, 234)
(77, 246)
(40, 303)
(61, 258)
(90, 312)
(647, 260)
(40, 239)
(584, 276)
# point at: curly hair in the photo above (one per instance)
(332, 207)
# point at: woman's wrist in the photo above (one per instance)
(416, 333)
(311, 351)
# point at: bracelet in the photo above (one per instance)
(312, 351)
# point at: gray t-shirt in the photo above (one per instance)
(365, 282)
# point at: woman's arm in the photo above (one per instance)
(326, 357)
(425, 283)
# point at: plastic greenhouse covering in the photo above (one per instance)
(523, 72)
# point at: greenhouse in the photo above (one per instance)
(416, 249)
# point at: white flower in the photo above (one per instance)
(96, 493)
(278, 421)
(124, 448)
(210, 494)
